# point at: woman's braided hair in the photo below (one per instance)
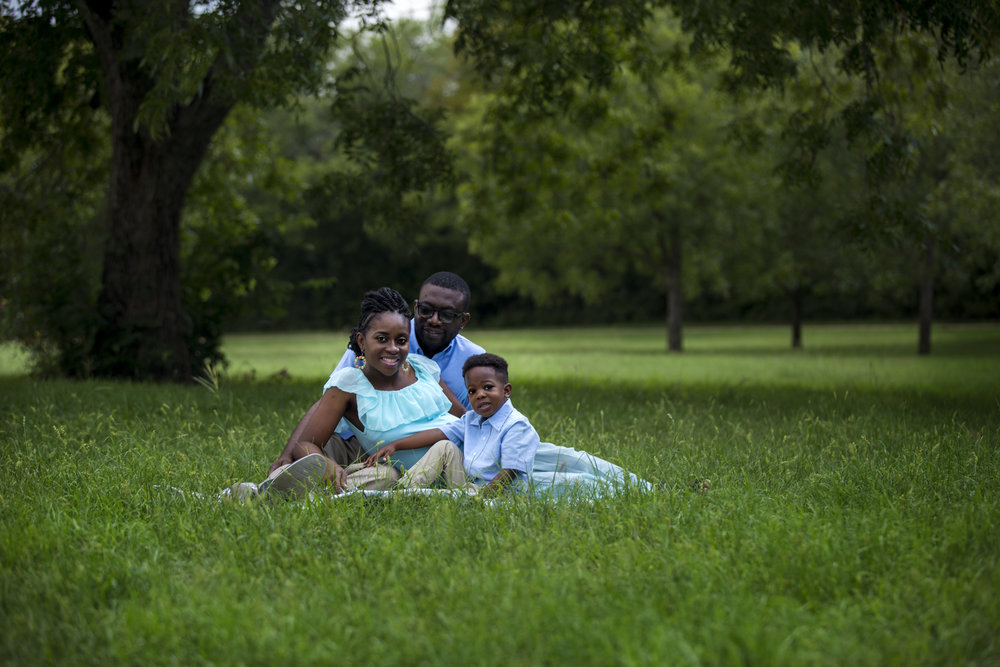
(376, 302)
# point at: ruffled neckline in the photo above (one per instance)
(381, 410)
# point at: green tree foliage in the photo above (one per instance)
(397, 151)
(377, 176)
(759, 36)
(51, 204)
(539, 49)
(534, 52)
(163, 76)
(880, 58)
(636, 177)
(244, 202)
(970, 198)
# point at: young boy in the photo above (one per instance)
(499, 442)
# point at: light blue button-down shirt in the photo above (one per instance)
(506, 440)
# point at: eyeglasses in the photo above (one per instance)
(426, 312)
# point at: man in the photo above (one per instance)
(440, 312)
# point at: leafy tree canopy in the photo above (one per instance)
(160, 79)
(548, 43)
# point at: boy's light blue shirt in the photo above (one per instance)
(506, 440)
(450, 360)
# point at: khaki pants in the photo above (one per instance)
(443, 461)
(349, 456)
(343, 452)
(376, 478)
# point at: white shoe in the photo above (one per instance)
(242, 491)
(297, 479)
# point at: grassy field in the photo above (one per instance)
(852, 515)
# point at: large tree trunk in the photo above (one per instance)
(675, 292)
(144, 332)
(926, 298)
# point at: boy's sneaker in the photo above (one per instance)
(297, 479)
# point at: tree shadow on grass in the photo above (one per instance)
(715, 397)
(986, 348)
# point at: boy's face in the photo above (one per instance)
(487, 390)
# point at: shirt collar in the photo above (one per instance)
(498, 419)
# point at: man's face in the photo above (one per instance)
(435, 305)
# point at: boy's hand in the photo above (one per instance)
(381, 456)
(500, 484)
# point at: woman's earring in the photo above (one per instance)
(406, 366)
(360, 362)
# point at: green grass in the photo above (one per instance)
(852, 516)
(13, 359)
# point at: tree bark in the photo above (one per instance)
(926, 298)
(797, 296)
(144, 332)
(675, 292)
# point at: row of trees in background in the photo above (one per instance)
(607, 162)
(855, 138)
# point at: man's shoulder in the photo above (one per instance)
(467, 347)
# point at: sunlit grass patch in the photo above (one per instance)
(13, 359)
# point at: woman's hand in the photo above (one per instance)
(381, 456)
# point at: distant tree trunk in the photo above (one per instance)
(926, 298)
(797, 295)
(144, 331)
(675, 292)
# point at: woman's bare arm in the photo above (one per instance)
(315, 429)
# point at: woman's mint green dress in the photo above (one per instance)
(391, 415)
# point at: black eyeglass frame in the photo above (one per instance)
(444, 315)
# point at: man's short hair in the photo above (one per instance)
(487, 359)
(452, 281)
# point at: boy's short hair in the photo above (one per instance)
(486, 359)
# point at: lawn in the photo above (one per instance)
(851, 515)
